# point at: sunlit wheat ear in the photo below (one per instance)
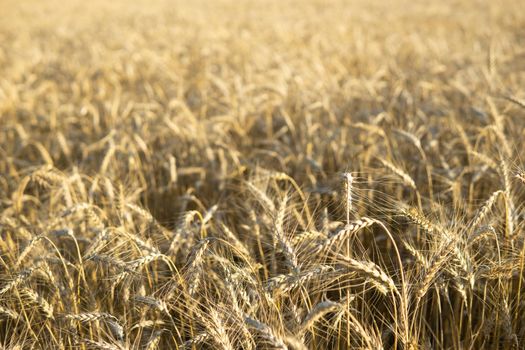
(294, 343)
(154, 341)
(343, 234)
(506, 321)
(47, 176)
(503, 271)
(145, 260)
(239, 301)
(420, 258)
(282, 239)
(485, 159)
(237, 243)
(17, 280)
(360, 330)
(28, 249)
(195, 341)
(485, 209)
(316, 313)
(101, 345)
(460, 285)
(180, 236)
(88, 316)
(152, 302)
(423, 222)
(8, 313)
(285, 283)
(484, 232)
(306, 237)
(218, 330)
(407, 180)
(277, 175)
(148, 324)
(435, 267)
(266, 333)
(193, 270)
(146, 215)
(453, 239)
(262, 197)
(34, 298)
(97, 243)
(348, 185)
(519, 102)
(110, 320)
(370, 270)
(521, 177)
(110, 261)
(509, 200)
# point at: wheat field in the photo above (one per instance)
(262, 174)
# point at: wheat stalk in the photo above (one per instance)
(349, 181)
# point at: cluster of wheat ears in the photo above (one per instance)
(262, 175)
